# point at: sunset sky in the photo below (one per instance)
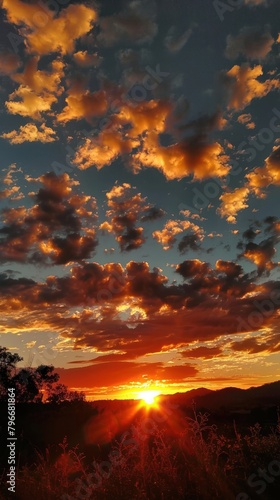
(139, 192)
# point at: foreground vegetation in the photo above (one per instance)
(70, 449)
(198, 462)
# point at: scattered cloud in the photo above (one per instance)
(86, 59)
(262, 177)
(246, 119)
(242, 85)
(167, 237)
(126, 208)
(42, 27)
(233, 202)
(31, 133)
(261, 253)
(53, 230)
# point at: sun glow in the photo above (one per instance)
(148, 396)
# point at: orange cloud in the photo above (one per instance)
(38, 90)
(147, 120)
(83, 105)
(43, 26)
(85, 306)
(25, 102)
(30, 133)
(19, 12)
(195, 155)
(269, 174)
(232, 203)
(103, 149)
(243, 85)
(192, 156)
(12, 191)
(45, 40)
(167, 236)
(246, 119)
(85, 59)
(40, 81)
(123, 372)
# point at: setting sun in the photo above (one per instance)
(148, 396)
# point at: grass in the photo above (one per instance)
(198, 463)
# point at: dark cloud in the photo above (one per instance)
(126, 209)
(262, 177)
(153, 213)
(122, 372)
(213, 302)
(189, 242)
(205, 124)
(202, 352)
(57, 229)
(134, 24)
(254, 345)
(167, 236)
(252, 41)
(272, 225)
(261, 253)
(249, 234)
(191, 268)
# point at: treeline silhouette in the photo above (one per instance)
(32, 385)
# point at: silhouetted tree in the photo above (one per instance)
(8, 362)
(33, 385)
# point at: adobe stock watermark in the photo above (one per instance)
(11, 440)
(212, 189)
(129, 441)
(136, 94)
(47, 8)
(259, 481)
(263, 309)
(229, 6)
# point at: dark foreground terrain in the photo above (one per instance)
(198, 445)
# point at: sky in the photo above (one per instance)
(139, 192)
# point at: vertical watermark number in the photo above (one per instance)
(11, 440)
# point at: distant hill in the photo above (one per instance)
(230, 397)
